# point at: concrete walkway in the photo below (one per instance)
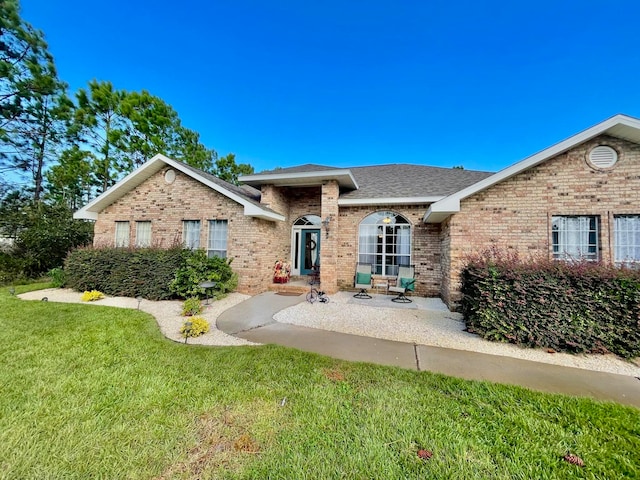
(253, 320)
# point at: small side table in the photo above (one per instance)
(381, 283)
(207, 287)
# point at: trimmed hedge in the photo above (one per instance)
(573, 307)
(124, 272)
(152, 273)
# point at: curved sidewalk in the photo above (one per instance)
(253, 321)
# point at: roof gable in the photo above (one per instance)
(620, 126)
(243, 196)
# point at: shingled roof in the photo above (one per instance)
(405, 180)
(392, 182)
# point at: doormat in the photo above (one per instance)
(288, 294)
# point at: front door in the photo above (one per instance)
(309, 251)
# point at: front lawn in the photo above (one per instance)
(97, 392)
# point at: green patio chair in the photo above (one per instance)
(362, 279)
(406, 282)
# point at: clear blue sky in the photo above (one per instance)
(346, 83)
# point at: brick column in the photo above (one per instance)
(329, 243)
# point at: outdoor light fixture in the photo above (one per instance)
(139, 299)
(325, 223)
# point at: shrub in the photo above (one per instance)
(194, 327)
(92, 296)
(192, 306)
(574, 307)
(57, 276)
(199, 268)
(152, 273)
(124, 272)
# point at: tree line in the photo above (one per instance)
(59, 150)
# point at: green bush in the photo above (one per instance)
(574, 307)
(124, 272)
(151, 273)
(192, 306)
(44, 234)
(199, 268)
(11, 267)
(57, 276)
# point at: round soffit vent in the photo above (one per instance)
(170, 176)
(603, 157)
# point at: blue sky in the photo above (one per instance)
(346, 83)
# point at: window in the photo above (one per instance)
(385, 241)
(626, 238)
(143, 234)
(191, 234)
(217, 238)
(122, 234)
(575, 237)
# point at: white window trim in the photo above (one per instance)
(124, 243)
(567, 254)
(211, 252)
(618, 244)
(196, 240)
(384, 254)
(144, 243)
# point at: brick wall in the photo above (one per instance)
(167, 205)
(516, 213)
(329, 245)
(425, 246)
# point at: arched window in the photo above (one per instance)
(307, 220)
(385, 241)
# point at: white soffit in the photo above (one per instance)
(344, 177)
(354, 202)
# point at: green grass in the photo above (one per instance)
(97, 392)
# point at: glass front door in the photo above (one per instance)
(309, 251)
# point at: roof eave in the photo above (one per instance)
(344, 177)
(355, 202)
(440, 211)
(254, 211)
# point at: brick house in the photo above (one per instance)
(577, 198)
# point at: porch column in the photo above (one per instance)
(329, 242)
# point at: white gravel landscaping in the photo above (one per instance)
(426, 321)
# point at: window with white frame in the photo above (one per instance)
(143, 234)
(191, 234)
(122, 234)
(384, 240)
(217, 239)
(626, 238)
(575, 237)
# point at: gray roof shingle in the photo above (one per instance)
(405, 180)
(397, 180)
